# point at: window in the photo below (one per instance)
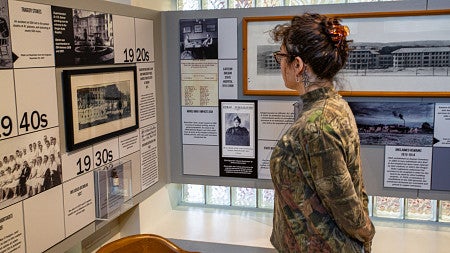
(240, 197)
(263, 199)
(184, 5)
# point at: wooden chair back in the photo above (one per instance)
(142, 243)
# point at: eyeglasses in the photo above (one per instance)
(278, 54)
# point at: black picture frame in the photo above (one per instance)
(99, 104)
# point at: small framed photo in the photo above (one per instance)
(186, 29)
(211, 28)
(99, 104)
(198, 28)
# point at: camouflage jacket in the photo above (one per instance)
(320, 200)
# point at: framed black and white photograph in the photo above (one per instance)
(392, 54)
(99, 104)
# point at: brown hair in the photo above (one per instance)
(319, 40)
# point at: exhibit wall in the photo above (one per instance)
(228, 104)
(79, 114)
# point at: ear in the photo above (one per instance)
(299, 65)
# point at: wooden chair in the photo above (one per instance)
(142, 243)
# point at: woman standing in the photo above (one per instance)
(320, 200)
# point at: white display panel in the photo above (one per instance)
(227, 38)
(8, 120)
(274, 118)
(208, 155)
(11, 226)
(79, 203)
(144, 40)
(442, 125)
(31, 34)
(77, 163)
(44, 220)
(106, 152)
(37, 107)
(124, 39)
(265, 149)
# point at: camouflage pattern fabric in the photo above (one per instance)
(320, 200)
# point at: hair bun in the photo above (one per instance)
(338, 34)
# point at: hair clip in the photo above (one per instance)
(338, 34)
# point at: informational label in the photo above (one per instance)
(124, 39)
(149, 156)
(129, 143)
(77, 163)
(37, 107)
(199, 80)
(79, 203)
(63, 35)
(144, 51)
(8, 120)
(200, 125)
(407, 167)
(228, 83)
(274, 118)
(265, 149)
(146, 93)
(31, 34)
(238, 167)
(442, 125)
(106, 152)
(11, 229)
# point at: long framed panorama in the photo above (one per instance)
(405, 54)
(99, 104)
